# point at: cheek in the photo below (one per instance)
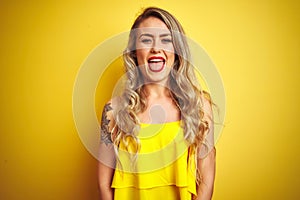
(170, 53)
(141, 55)
(171, 58)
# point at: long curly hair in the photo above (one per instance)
(183, 86)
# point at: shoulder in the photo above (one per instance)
(206, 104)
(109, 108)
(108, 113)
(206, 96)
(107, 123)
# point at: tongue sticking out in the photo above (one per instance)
(156, 66)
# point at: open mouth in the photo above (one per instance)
(156, 64)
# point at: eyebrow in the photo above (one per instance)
(150, 35)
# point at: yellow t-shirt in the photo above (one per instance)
(163, 168)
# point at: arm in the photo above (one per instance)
(106, 159)
(206, 166)
(105, 175)
(206, 162)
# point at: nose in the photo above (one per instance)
(156, 47)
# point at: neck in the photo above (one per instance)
(156, 90)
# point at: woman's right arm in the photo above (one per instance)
(106, 159)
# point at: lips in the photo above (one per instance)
(156, 63)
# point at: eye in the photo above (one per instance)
(146, 40)
(166, 41)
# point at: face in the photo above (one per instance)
(154, 50)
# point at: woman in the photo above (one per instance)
(157, 137)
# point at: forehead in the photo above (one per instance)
(153, 25)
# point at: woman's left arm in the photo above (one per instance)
(206, 167)
(206, 162)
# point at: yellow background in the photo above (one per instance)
(255, 45)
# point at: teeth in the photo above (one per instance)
(156, 60)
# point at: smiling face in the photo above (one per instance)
(154, 50)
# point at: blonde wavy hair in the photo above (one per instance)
(183, 85)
